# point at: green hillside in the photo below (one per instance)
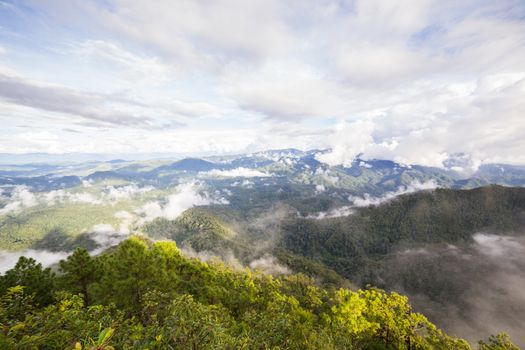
(353, 245)
(144, 295)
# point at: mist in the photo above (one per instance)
(186, 196)
(471, 291)
(19, 198)
(368, 200)
(15, 199)
(47, 258)
(269, 264)
(237, 172)
(332, 213)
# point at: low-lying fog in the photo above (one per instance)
(471, 291)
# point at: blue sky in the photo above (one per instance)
(412, 81)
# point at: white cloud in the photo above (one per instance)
(226, 257)
(425, 80)
(20, 198)
(106, 236)
(349, 141)
(200, 34)
(237, 172)
(84, 197)
(284, 91)
(367, 200)
(137, 69)
(333, 213)
(269, 264)
(127, 219)
(433, 125)
(319, 188)
(185, 197)
(497, 246)
(119, 193)
(105, 110)
(247, 184)
(8, 260)
(327, 175)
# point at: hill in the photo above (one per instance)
(148, 295)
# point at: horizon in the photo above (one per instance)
(258, 174)
(465, 166)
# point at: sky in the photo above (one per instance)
(414, 81)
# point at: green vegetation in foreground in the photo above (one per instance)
(142, 295)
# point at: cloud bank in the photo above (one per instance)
(411, 81)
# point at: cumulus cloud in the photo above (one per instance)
(237, 172)
(20, 198)
(448, 122)
(367, 200)
(83, 197)
(415, 82)
(350, 140)
(185, 197)
(119, 193)
(106, 235)
(87, 183)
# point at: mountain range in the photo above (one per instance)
(449, 238)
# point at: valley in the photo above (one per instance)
(448, 241)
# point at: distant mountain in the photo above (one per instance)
(347, 225)
(374, 176)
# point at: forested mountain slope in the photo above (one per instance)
(143, 295)
(436, 246)
(427, 217)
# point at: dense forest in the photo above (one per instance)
(357, 244)
(145, 295)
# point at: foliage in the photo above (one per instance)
(36, 280)
(498, 342)
(145, 295)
